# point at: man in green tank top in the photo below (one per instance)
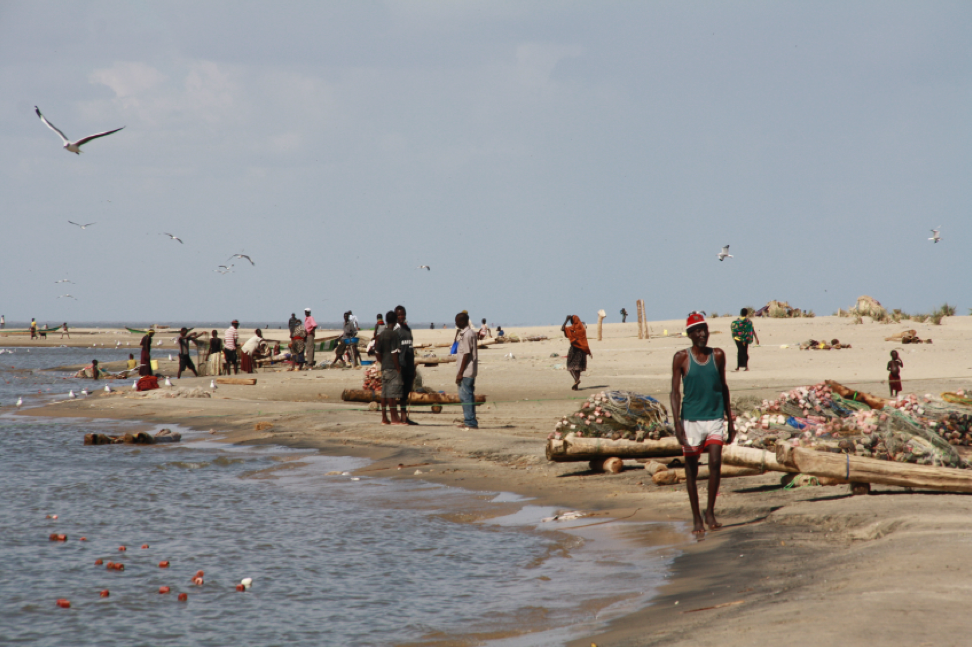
(700, 416)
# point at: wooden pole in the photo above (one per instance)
(240, 381)
(600, 323)
(639, 306)
(677, 475)
(572, 449)
(754, 458)
(361, 395)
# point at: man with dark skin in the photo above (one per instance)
(388, 349)
(699, 417)
(185, 359)
(406, 359)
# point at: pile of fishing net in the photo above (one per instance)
(372, 378)
(615, 415)
(910, 429)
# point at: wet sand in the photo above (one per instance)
(800, 566)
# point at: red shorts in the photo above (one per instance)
(699, 434)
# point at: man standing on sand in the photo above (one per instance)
(185, 359)
(309, 327)
(894, 374)
(743, 333)
(624, 315)
(699, 417)
(467, 357)
(231, 339)
(406, 359)
(388, 350)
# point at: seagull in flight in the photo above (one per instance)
(172, 237)
(73, 147)
(724, 254)
(225, 269)
(424, 267)
(82, 226)
(935, 237)
(68, 296)
(64, 281)
(241, 256)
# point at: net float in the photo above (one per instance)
(200, 573)
(64, 604)
(122, 548)
(83, 539)
(163, 564)
(240, 587)
(247, 582)
(163, 590)
(99, 562)
(105, 593)
(144, 546)
(183, 597)
(198, 581)
(58, 537)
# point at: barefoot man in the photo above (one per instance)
(699, 415)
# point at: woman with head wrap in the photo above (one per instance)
(298, 343)
(576, 332)
(145, 362)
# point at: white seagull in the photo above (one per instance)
(935, 237)
(167, 382)
(68, 296)
(107, 389)
(64, 281)
(71, 394)
(135, 384)
(172, 237)
(724, 254)
(225, 269)
(73, 147)
(212, 385)
(85, 226)
(241, 256)
(20, 402)
(84, 392)
(424, 267)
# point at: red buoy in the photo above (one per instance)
(144, 546)
(198, 581)
(56, 537)
(240, 587)
(104, 593)
(64, 604)
(99, 562)
(83, 539)
(122, 548)
(163, 564)
(199, 573)
(163, 589)
(183, 597)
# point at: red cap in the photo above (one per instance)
(694, 319)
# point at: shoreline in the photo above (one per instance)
(785, 559)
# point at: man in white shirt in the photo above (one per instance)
(467, 357)
(230, 339)
(250, 351)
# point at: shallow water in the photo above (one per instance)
(334, 560)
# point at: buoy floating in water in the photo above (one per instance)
(58, 537)
(99, 562)
(122, 548)
(240, 587)
(183, 597)
(144, 546)
(163, 590)
(198, 581)
(83, 539)
(64, 604)
(105, 593)
(247, 582)
(163, 564)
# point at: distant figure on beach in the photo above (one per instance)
(33, 328)
(251, 350)
(185, 359)
(432, 326)
(64, 330)
(131, 364)
(298, 344)
(894, 374)
(310, 328)
(500, 332)
(215, 356)
(379, 325)
(95, 371)
(354, 320)
(467, 358)
(3, 322)
(388, 350)
(484, 331)
(292, 323)
(576, 332)
(346, 344)
(624, 315)
(231, 339)
(406, 359)
(145, 361)
(701, 417)
(743, 333)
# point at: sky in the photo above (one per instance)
(544, 158)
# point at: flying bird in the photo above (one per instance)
(225, 269)
(724, 254)
(82, 226)
(935, 237)
(241, 256)
(68, 296)
(64, 281)
(73, 147)
(424, 267)
(172, 237)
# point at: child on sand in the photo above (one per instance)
(894, 373)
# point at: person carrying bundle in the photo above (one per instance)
(576, 332)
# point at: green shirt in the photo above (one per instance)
(742, 330)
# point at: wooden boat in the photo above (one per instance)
(145, 332)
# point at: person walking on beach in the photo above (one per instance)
(406, 359)
(743, 333)
(624, 315)
(703, 414)
(33, 328)
(64, 330)
(467, 357)
(310, 326)
(185, 359)
(215, 358)
(894, 374)
(3, 322)
(576, 332)
(388, 350)
(231, 339)
(145, 361)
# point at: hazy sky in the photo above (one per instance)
(544, 158)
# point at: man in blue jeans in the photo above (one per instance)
(467, 357)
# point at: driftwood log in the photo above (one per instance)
(574, 449)
(753, 458)
(363, 395)
(137, 438)
(677, 475)
(240, 381)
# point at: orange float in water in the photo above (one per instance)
(64, 604)
(163, 564)
(183, 597)
(105, 593)
(83, 539)
(240, 587)
(122, 548)
(56, 537)
(163, 589)
(144, 546)
(200, 573)
(198, 581)
(99, 562)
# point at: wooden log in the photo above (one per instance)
(754, 458)
(611, 464)
(641, 316)
(677, 475)
(872, 401)
(859, 470)
(600, 324)
(363, 395)
(433, 361)
(572, 449)
(240, 381)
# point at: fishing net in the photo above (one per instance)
(616, 415)
(908, 430)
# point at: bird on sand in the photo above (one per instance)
(82, 226)
(84, 392)
(71, 394)
(424, 267)
(168, 382)
(73, 147)
(20, 402)
(212, 385)
(68, 296)
(64, 281)
(724, 254)
(107, 388)
(241, 256)
(172, 237)
(935, 237)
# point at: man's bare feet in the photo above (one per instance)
(710, 520)
(699, 528)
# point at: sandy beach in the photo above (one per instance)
(811, 565)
